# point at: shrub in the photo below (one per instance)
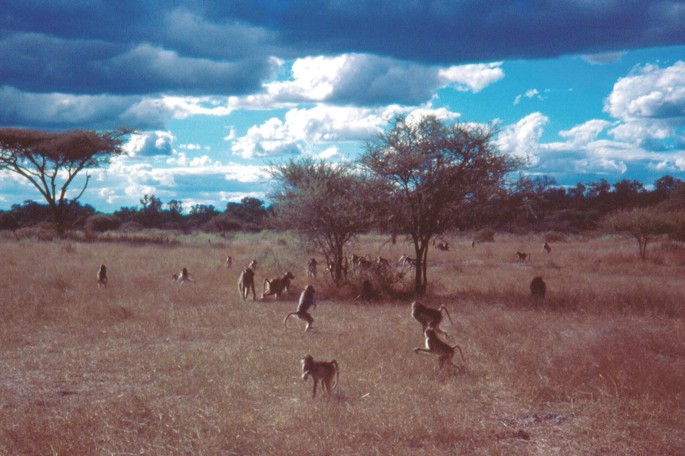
(99, 223)
(485, 235)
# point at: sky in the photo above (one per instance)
(218, 90)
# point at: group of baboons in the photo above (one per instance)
(325, 371)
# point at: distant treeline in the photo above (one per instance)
(531, 204)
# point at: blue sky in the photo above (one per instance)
(217, 89)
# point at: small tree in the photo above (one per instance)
(328, 204)
(50, 161)
(644, 223)
(434, 174)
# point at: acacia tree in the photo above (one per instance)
(327, 204)
(643, 223)
(434, 174)
(50, 161)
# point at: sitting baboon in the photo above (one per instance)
(102, 276)
(323, 371)
(229, 262)
(367, 292)
(278, 285)
(429, 317)
(546, 248)
(246, 283)
(307, 301)
(538, 288)
(443, 350)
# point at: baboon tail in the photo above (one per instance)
(442, 307)
(337, 373)
(286, 318)
(460, 352)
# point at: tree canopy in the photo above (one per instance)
(434, 173)
(50, 161)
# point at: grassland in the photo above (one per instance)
(149, 367)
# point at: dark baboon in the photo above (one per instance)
(522, 256)
(307, 301)
(546, 248)
(320, 371)
(311, 268)
(246, 283)
(429, 317)
(538, 288)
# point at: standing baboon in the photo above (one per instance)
(429, 317)
(323, 371)
(435, 346)
(246, 283)
(102, 276)
(311, 268)
(307, 301)
(538, 288)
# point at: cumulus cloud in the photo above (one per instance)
(148, 144)
(522, 139)
(532, 93)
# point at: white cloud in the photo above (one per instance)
(149, 143)
(582, 135)
(532, 93)
(474, 77)
(522, 139)
(603, 58)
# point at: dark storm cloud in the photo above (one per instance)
(224, 47)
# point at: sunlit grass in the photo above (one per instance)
(149, 367)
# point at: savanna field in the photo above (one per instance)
(147, 366)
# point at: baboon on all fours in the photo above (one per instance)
(538, 288)
(320, 371)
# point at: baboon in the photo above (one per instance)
(323, 371)
(307, 301)
(246, 283)
(473, 244)
(278, 285)
(443, 350)
(367, 292)
(538, 288)
(229, 262)
(444, 246)
(406, 261)
(183, 277)
(311, 268)
(102, 276)
(522, 256)
(429, 317)
(546, 248)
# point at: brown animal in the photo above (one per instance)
(278, 285)
(183, 277)
(320, 371)
(538, 288)
(546, 248)
(229, 262)
(429, 317)
(435, 346)
(367, 292)
(102, 276)
(311, 268)
(444, 246)
(307, 301)
(246, 283)
(522, 256)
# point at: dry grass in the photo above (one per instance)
(148, 367)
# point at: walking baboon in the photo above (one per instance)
(320, 371)
(307, 301)
(278, 285)
(538, 288)
(435, 346)
(429, 317)
(102, 276)
(246, 283)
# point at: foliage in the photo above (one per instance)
(50, 161)
(644, 224)
(99, 223)
(433, 174)
(327, 204)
